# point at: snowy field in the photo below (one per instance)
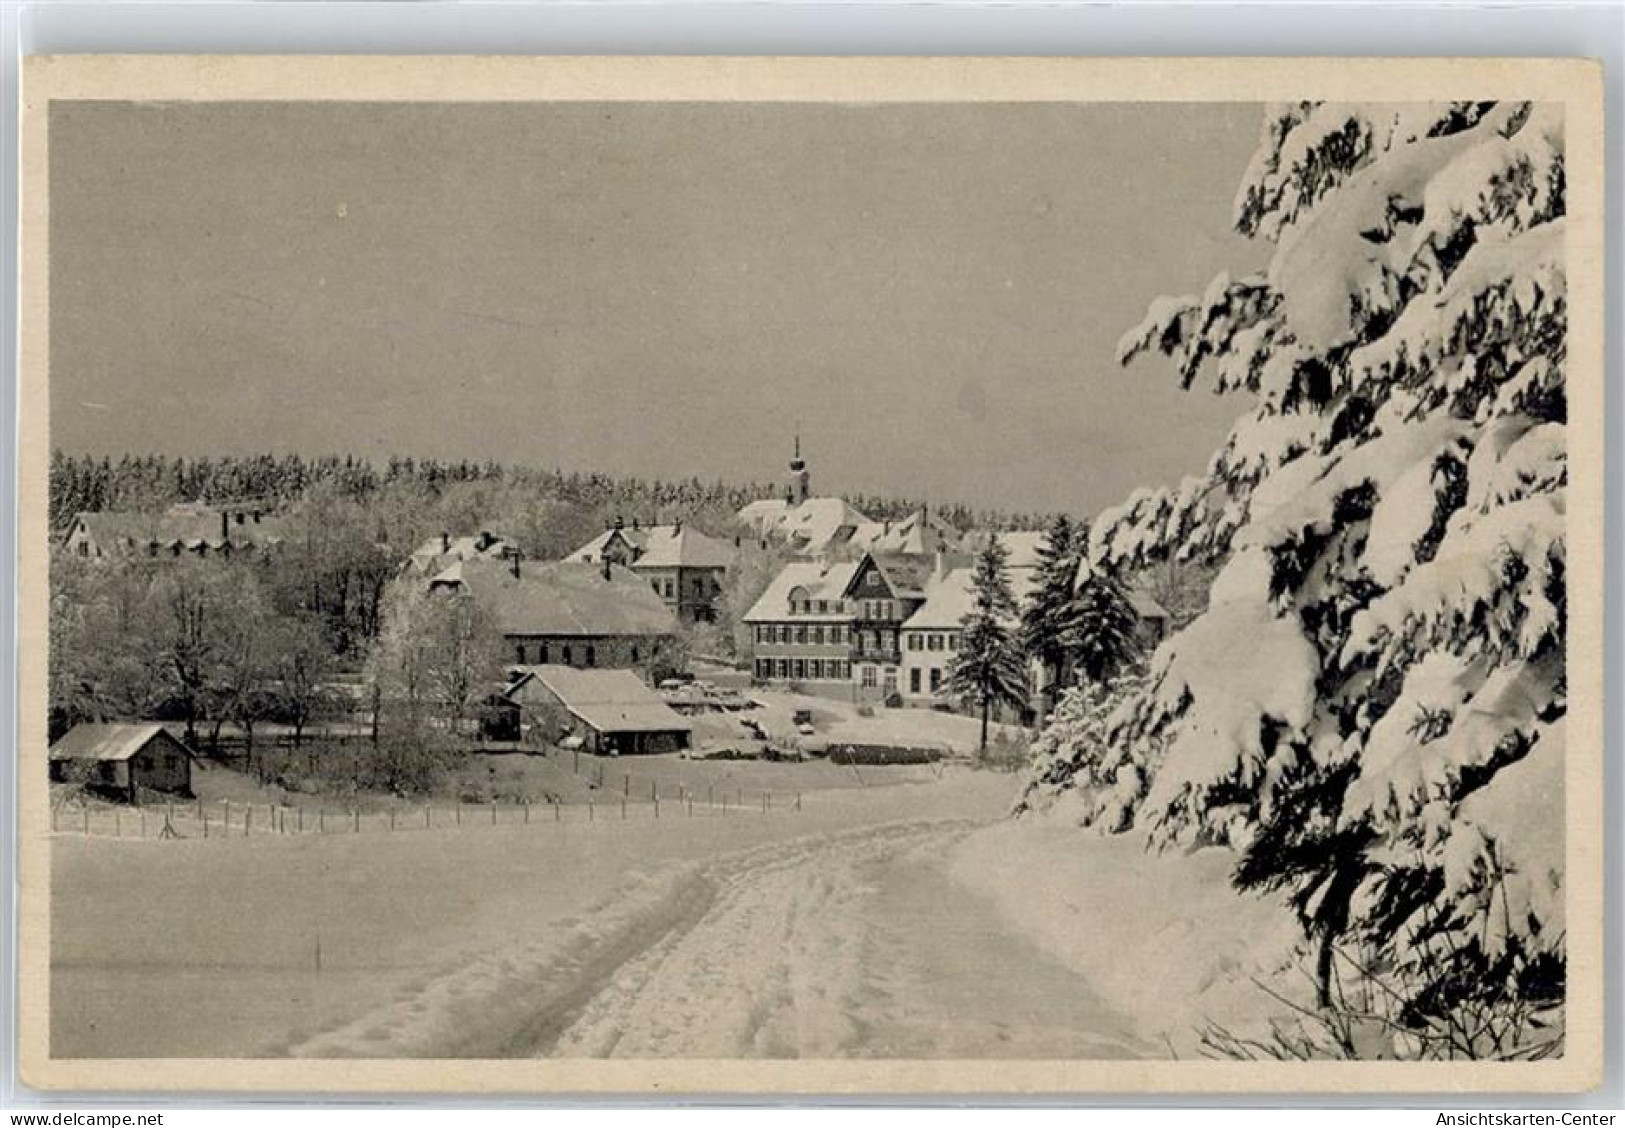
(446, 941)
(900, 921)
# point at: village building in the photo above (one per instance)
(590, 616)
(611, 712)
(681, 564)
(836, 625)
(122, 759)
(801, 625)
(438, 553)
(192, 529)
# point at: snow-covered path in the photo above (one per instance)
(843, 945)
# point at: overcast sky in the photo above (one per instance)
(932, 294)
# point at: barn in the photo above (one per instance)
(121, 759)
(611, 711)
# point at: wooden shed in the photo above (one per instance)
(611, 711)
(121, 759)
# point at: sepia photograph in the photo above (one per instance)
(762, 575)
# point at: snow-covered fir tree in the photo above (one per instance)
(1047, 617)
(989, 669)
(1102, 638)
(1371, 709)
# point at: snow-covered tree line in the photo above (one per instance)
(1370, 711)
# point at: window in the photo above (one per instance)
(936, 679)
(784, 668)
(818, 636)
(521, 654)
(815, 669)
(764, 669)
(801, 635)
(914, 680)
(592, 655)
(569, 658)
(541, 653)
(656, 585)
(634, 654)
(934, 642)
(953, 642)
(84, 548)
(837, 634)
(800, 669)
(913, 641)
(823, 606)
(868, 677)
(671, 589)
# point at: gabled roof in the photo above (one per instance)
(948, 600)
(608, 700)
(431, 558)
(187, 526)
(920, 533)
(811, 527)
(660, 546)
(562, 598)
(818, 579)
(109, 741)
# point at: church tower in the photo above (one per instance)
(800, 478)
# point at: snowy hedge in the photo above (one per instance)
(1371, 709)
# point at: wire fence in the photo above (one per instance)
(198, 819)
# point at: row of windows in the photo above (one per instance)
(802, 635)
(666, 587)
(877, 609)
(935, 640)
(816, 606)
(914, 680)
(542, 655)
(796, 669)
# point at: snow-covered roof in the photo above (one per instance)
(440, 552)
(816, 580)
(812, 527)
(660, 546)
(108, 742)
(608, 700)
(562, 598)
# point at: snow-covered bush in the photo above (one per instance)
(1371, 708)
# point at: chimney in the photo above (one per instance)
(619, 524)
(677, 527)
(256, 516)
(445, 542)
(513, 563)
(606, 567)
(635, 525)
(225, 525)
(737, 540)
(939, 566)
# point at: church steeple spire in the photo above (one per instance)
(800, 478)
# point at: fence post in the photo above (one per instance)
(798, 800)
(558, 811)
(690, 801)
(428, 817)
(589, 808)
(626, 784)
(299, 819)
(225, 818)
(358, 820)
(527, 812)
(493, 812)
(575, 764)
(248, 819)
(657, 808)
(321, 821)
(143, 814)
(203, 816)
(118, 823)
(654, 791)
(392, 818)
(87, 820)
(710, 795)
(623, 808)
